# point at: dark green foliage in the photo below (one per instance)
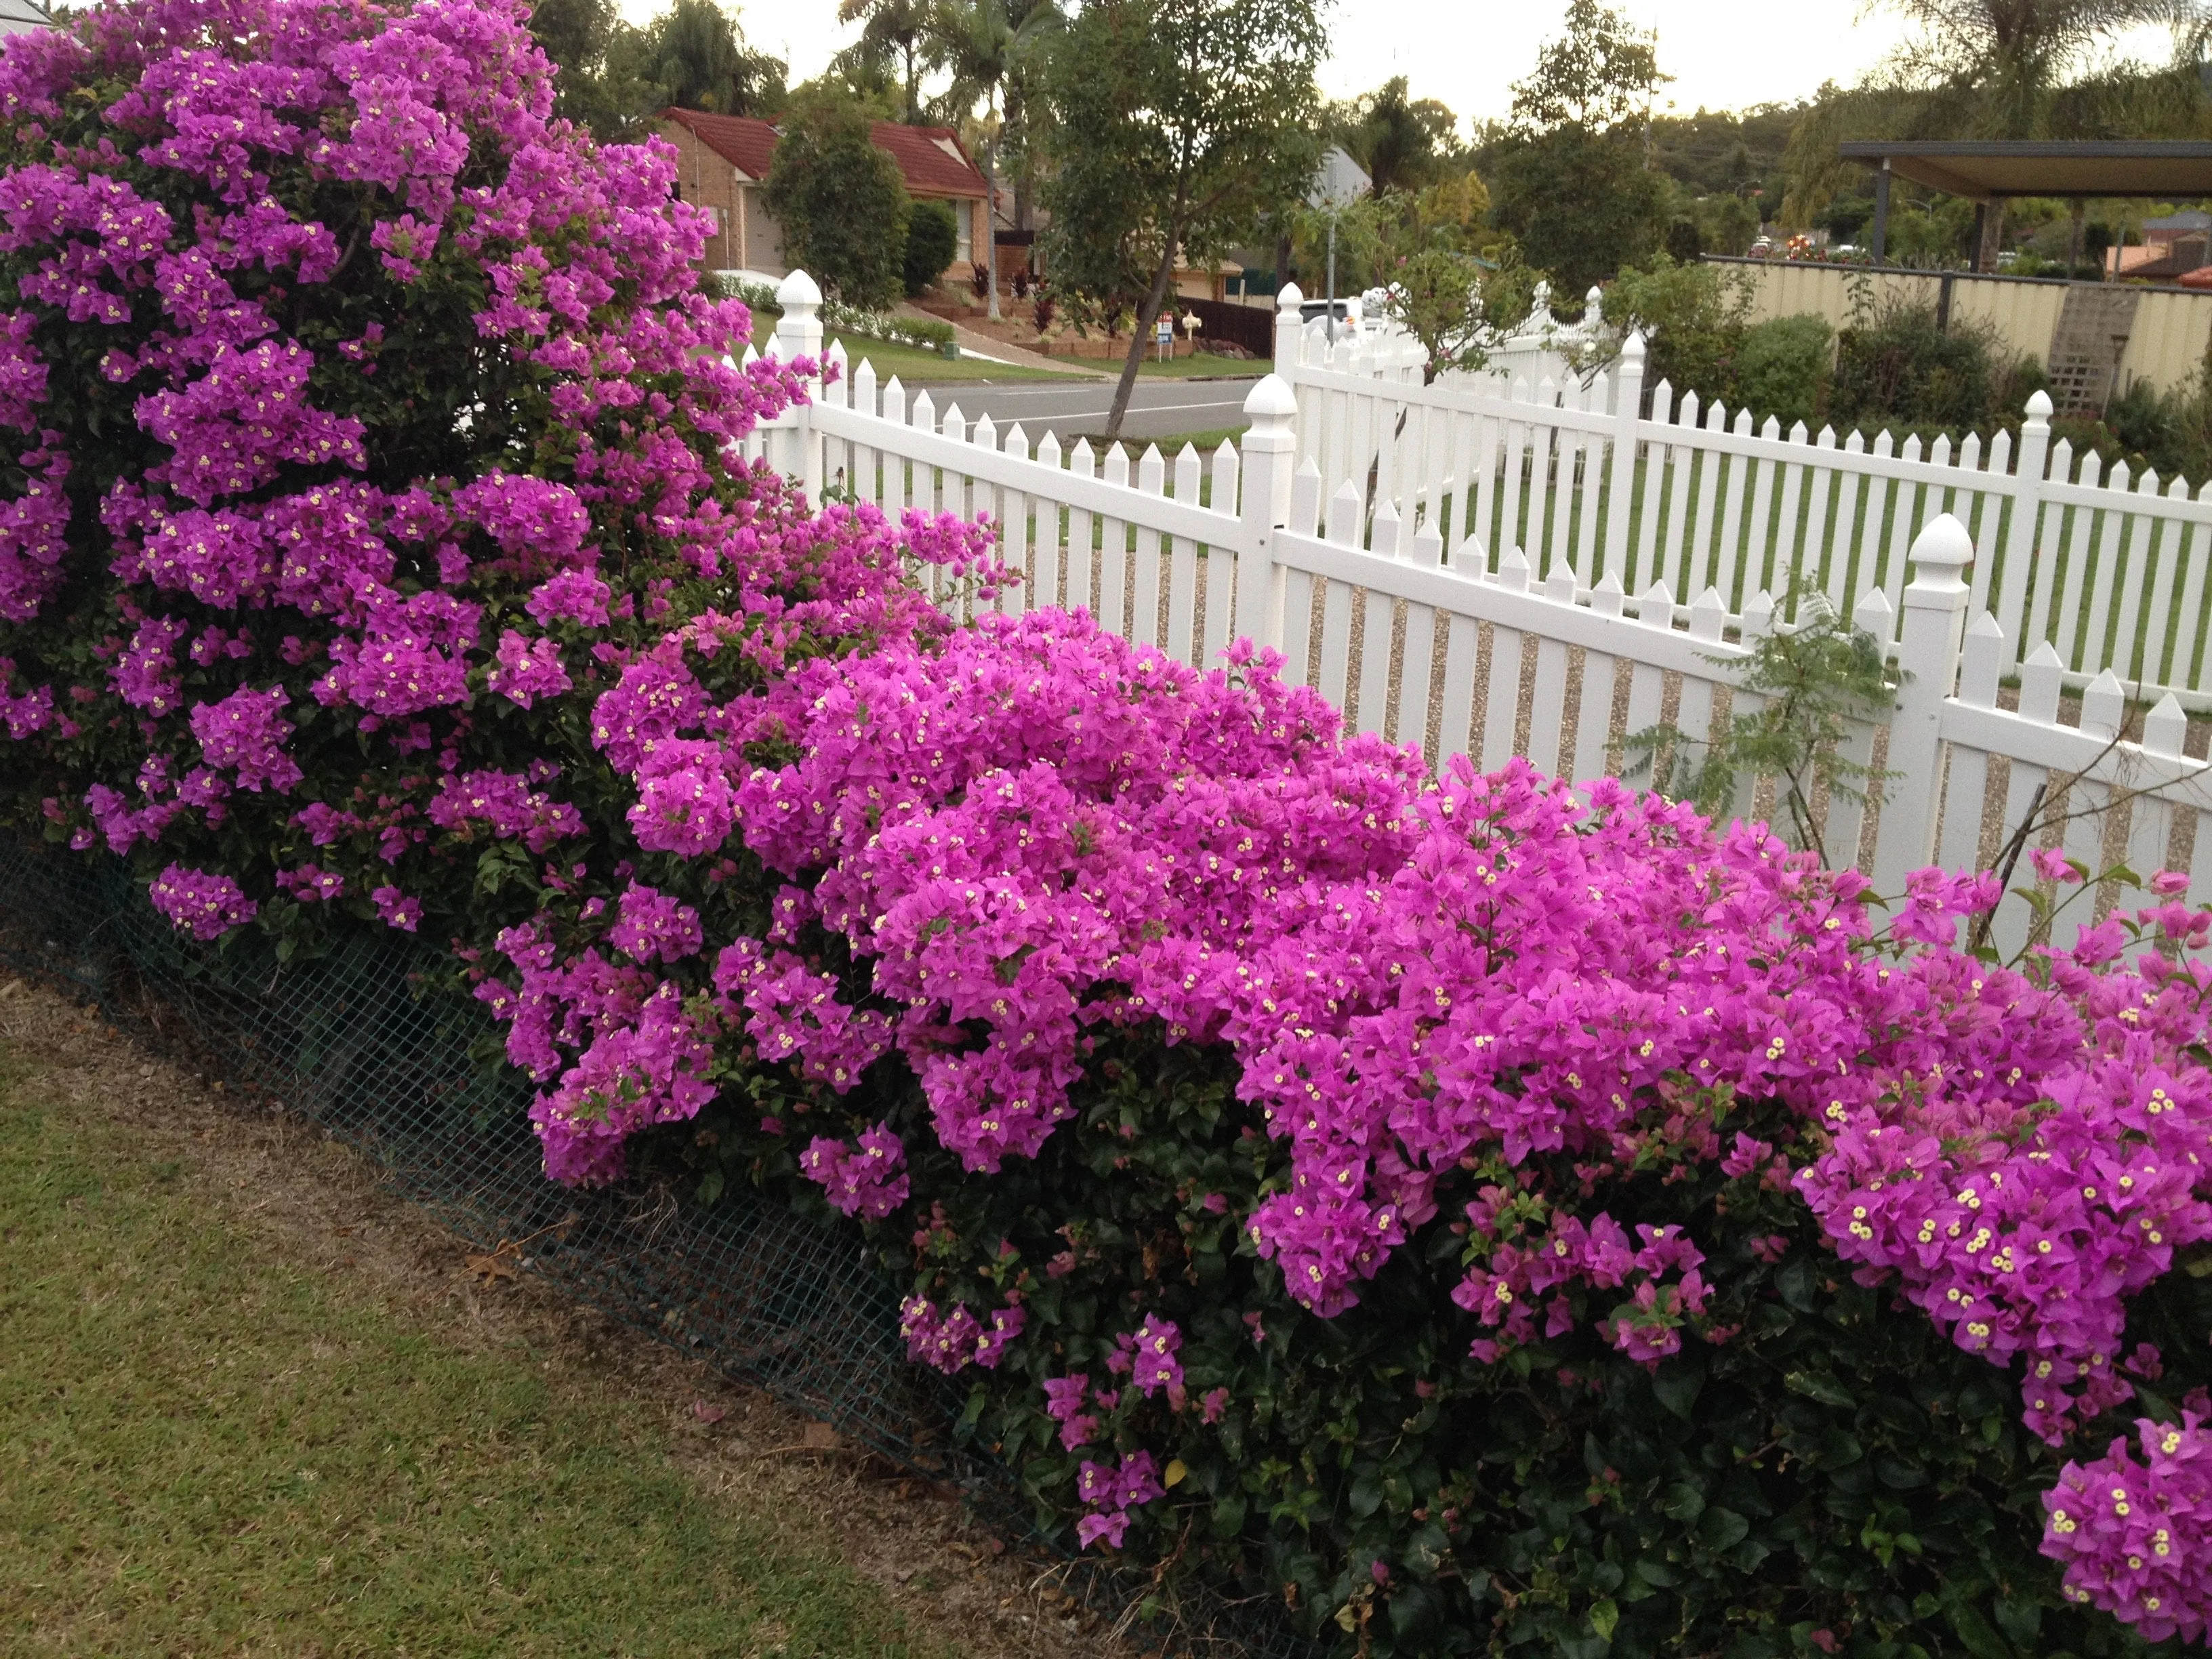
(2170, 432)
(1782, 366)
(1582, 203)
(694, 53)
(615, 78)
(841, 202)
(1715, 150)
(1830, 1464)
(1692, 319)
(1897, 364)
(1403, 143)
(932, 237)
(1568, 178)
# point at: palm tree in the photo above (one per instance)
(695, 51)
(988, 46)
(2011, 56)
(2004, 68)
(900, 26)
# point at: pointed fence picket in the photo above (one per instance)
(1515, 589)
(2109, 567)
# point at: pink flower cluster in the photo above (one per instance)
(1109, 1493)
(870, 1180)
(201, 903)
(1035, 829)
(952, 1342)
(1503, 1292)
(2132, 1529)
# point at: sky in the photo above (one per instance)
(1723, 54)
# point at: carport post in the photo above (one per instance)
(1881, 210)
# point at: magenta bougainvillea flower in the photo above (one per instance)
(378, 549)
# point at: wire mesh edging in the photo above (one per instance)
(762, 1295)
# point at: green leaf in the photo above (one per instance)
(1720, 1529)
(1818, 1385)
(1976, 1633)
(1678, 1382)
(1605, 1618)
(1682, 1502)
(1367, 1492)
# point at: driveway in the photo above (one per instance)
(1157, 408)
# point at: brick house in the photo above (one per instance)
(724, 158)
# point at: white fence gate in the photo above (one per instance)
(1438, 630)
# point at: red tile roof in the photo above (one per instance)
(931, 160)
(742, 141)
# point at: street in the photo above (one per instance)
(1157, 408)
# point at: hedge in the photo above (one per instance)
(1466, 1212)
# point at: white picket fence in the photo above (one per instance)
(2109, 568)
(1409, 624)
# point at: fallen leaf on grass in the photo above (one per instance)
(708, 1412)
(505, 1261)
(500, 1264)
(819, 1437)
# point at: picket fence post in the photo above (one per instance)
(1271, 456)
(1628, 412)
(1928, 659)
(2026, 516)
(799, 334)
(1290, 326)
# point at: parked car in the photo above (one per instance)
(1347, 310)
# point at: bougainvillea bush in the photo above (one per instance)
(1468, 1214)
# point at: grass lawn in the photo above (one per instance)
(1204, 363)
(1208, 440)
(206, 1446)
(911, 364)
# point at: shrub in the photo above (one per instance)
(930, 333)
(840, 200)
(1782, 366)
(1897, 365)
(1693, 317)
(932, 239)
(1466, 1212)
(1044, 311)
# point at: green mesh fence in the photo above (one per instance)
(352, 1041)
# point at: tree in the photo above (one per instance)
(986, 45)
(2005, 68)
(1450, 279)
(1693, 317)
(1598, 75)
(1403, 143)
(932, 239)
(841, 202)
(1569, 177)
(697, 54)
(1180, 122)
(889, 27)
(1581, 204)
(615, 77)
(604, 82)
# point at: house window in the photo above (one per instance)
(963, 219)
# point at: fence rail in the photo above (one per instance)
(1470, 593)
(2108, 567)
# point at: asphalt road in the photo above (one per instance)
(1157, 408)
